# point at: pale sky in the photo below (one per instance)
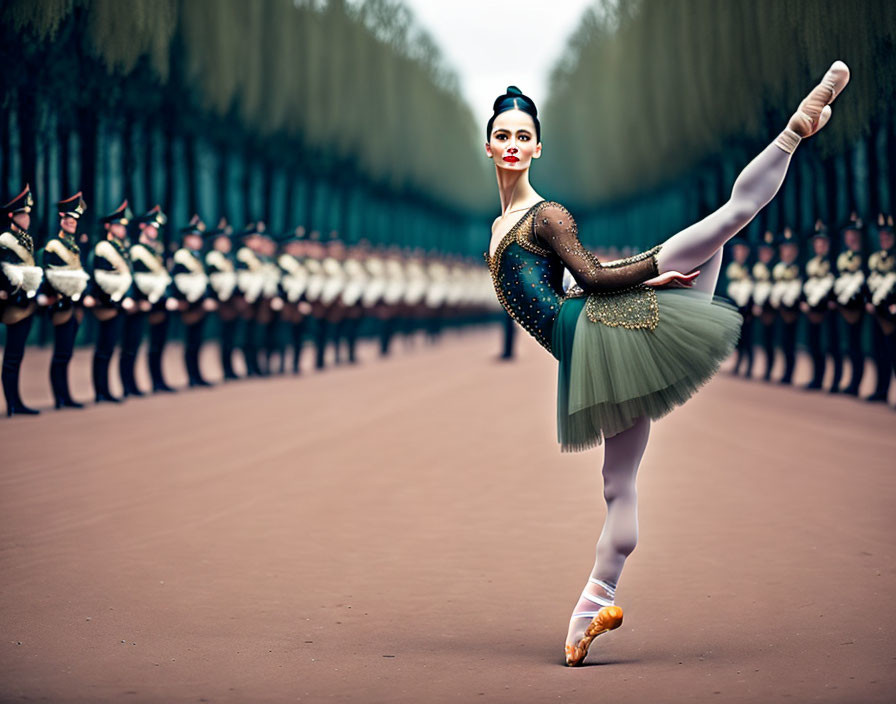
(495, 43)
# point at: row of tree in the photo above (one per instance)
(672, 99)
(328, 115)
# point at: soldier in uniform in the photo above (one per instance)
(437, 275)
(787, 288)
(20, 279)
(849, 289)
(882, 306)
(374, 289)
(271, 301)
(762, 308)
(152, 279)
(818, 305)
(294, 278)
(331, 309)
(350, 300)
(250, 282)
(740, 290)
(110, 293)
(222, 280)
(64, 283)
(191, 286)
(393, 295)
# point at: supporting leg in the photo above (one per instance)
(622, 456)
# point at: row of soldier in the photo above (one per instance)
(249, 279)
(835, 292)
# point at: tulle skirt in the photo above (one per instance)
(610, 376)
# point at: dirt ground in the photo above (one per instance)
(406, 530)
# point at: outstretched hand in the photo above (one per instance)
(672, 279)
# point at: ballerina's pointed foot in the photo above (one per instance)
(815, 110)
(606, 619)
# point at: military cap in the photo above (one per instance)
(121, 215)
(22, 203)
(73, 207)
(194, 227)
(153, 216)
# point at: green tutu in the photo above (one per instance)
(611, 376)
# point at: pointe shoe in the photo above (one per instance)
(606, 619)
(815, 111)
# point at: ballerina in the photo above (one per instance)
(634, 338)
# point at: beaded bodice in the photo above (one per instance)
(528, 281)
(527, 273)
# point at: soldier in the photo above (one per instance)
(294, 278)
(64, 283)
(152, 278)
(393, 295)
(882, 305)
(222, 279)
(785, 298)
(191, 285)
(271, 303)
(20, 280)
(818, 305)
(151, 281)
(414, 294)
(317, 279)
(110, 293)
(350, 300)
(331, 309)
(374, 289)
(740, 290)
(436, 292)
(250, 282)
(762, 308)
(849, 289)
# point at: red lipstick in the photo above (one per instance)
(511, 158)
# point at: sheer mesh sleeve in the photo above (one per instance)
(557, 229)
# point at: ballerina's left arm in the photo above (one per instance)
(555, 227)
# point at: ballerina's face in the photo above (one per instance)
(512, 142)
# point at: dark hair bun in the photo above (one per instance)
(514, 98)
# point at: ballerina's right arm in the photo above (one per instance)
(555, 227)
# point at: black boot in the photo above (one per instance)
(228, 333)
(64, 345)
(102, 355)
(158, 334)
(856, 357)
(16, 336)
(354, 325)
(321, 342)
(298, 333)
(250, 349)
(130, 343)
(192, 345)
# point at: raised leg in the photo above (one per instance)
(757, 184)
